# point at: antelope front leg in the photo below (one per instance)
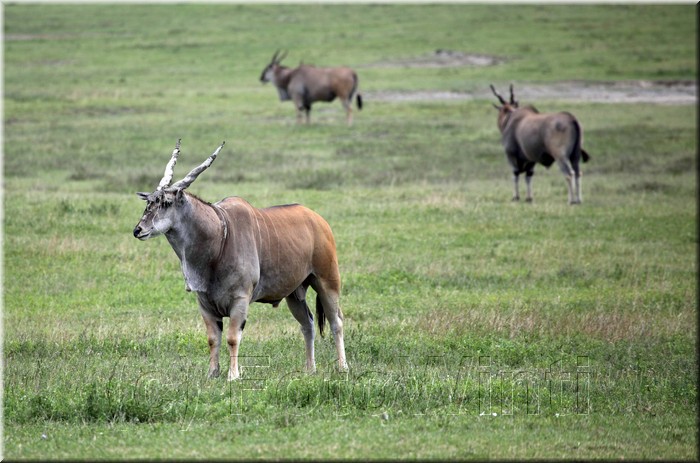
(297, 305)
(238, 316)
(214, 327)
(516, 190)
(528, 184)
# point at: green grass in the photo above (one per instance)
(575, 326)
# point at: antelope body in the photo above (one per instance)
(530, 137)
(307, 84)
(232, 254)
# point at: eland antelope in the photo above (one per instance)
(307, 84)
(530, 137)
(232, 254)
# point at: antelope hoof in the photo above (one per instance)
(213, 373)
(310, 368)
(233, 375)
(528, 200)
(515, 198)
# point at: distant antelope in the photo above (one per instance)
(531, 137)
(307, 84)
(233, 254)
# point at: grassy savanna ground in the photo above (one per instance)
(475, 327)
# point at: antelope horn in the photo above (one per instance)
(284, 55)
(500, 98)
(194, 173)
(512, 98)
(170, 167)
(274, 57)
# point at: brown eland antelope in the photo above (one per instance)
(307, 84)
(531, 137)
(232, 254)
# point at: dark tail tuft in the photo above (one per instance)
(320, 315)
(358, 97)
(584, 155)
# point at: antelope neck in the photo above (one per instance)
(281, 75)
(224, 227)
(190, 241)
(504, 119)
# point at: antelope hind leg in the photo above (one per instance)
(569, 174)
(577, 181)
(331, 308)
(347, 104)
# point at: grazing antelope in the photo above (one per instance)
(232, 254)
(531, 137)
(307, 84)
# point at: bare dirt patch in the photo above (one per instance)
(677, 92)
(26, 37)
(442, 58)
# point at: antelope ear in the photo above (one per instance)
(143, 195)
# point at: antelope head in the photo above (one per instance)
(506, 107)
(269, 71)
(162, 206)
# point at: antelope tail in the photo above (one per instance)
(358, 96)
(320, 315)
(584, 155)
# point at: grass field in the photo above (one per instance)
(476, 328)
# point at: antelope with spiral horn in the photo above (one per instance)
(233, 254)
(530, 137)
(307, 84)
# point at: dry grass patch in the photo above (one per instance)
(605, 324)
